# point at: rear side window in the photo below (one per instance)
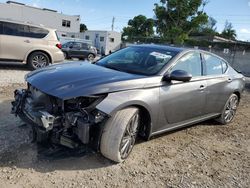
(190, 63)
(213, 65)
(77, 45)
(85, 46)
(36, 32)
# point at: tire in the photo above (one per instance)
(38, 60)
(66, 56)
(91, 57)
(229, 110)
(116, 143)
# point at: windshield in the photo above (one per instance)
(138, 60)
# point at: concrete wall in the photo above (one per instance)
(39, 16)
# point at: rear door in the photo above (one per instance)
(14, 45)
(85, 49)
(218, 89)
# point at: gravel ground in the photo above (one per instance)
(12, 73)
(204, 155)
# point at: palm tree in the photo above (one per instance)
(228, 31)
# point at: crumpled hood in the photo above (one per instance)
(69, 80)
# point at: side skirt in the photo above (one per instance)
(185, 124)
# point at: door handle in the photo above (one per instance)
(27, 41)
(202, 87)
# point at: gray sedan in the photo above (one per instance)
(141, 90)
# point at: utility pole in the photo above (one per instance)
(113, 23)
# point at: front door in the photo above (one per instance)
(183, 101)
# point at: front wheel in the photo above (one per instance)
(119, 134)
(229, 110)
(66, 56)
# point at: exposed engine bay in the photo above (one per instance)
(71, 123)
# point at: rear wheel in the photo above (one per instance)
(38, 60)
(91, 57)
(229, 110)
(120, 134)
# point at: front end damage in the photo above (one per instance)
(72, 123)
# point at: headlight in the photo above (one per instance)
(83, 103)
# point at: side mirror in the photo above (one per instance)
(70, 47)
(178, 75)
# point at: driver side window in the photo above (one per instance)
(191, 63)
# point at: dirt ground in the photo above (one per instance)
(204, 155)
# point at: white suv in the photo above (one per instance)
(35, 45)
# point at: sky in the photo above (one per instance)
(98, 14)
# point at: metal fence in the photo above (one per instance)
(239, 59)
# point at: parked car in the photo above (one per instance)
(79, 50)
(141, 90)
(27, 43)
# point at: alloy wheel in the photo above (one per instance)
(231, 109)
(39, 61)
(91, 57)
(129, 137)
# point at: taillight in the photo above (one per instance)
(59, 46)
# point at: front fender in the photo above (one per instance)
(147, 98)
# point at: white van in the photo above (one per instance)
(26, 43)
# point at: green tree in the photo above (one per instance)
(176, 19)
(83, 28)
(228, 31)
(207, 29)
(139, 26)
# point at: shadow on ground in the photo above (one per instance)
(13, 66)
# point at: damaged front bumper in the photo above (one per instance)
(71, 123)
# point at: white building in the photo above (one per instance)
(104, 41)
(43, 16)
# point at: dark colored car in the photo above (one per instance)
(141, 90)
(79, 50)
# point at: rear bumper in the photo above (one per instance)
(58, 57)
